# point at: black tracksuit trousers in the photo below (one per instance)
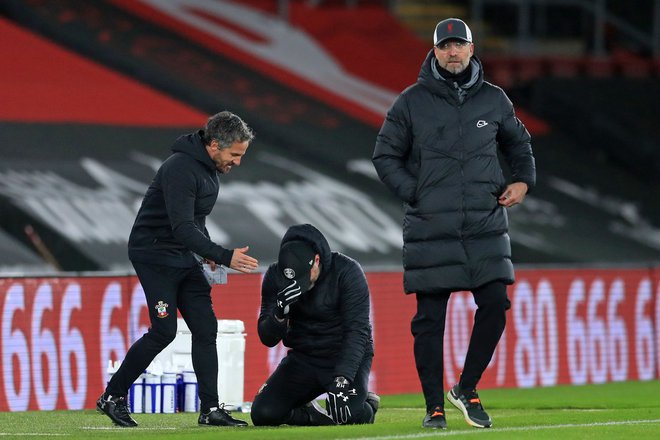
(167, 289)
(295, 382)
(428, 328)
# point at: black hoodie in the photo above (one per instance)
(170, 224)
(330, 325)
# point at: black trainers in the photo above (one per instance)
(116, 409)
(317, 415)
(470, 405)
(373, 399)
(219, 417)
(435, 418)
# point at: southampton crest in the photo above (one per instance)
(161, 309)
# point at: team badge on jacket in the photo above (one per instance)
(161, 309)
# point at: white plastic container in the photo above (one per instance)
(231, 362)
(152, 397)
(110, 371)
(231, 354)
(168, 390)
(190, 393)
(136, 395)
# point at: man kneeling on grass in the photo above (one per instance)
(317, 302)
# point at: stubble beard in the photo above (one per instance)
(455, 68)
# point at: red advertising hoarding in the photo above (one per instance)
(565, 326)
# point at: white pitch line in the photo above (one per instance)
(120, 429)
(31, 434)
(442, 433)
(559, 409)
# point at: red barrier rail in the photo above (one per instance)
(565, 326)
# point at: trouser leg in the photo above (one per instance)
(196, 309)
(282, 398)
(428, 329)
(489, 322)
(160, 285)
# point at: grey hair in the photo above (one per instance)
(227, 129)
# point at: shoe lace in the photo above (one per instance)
(472, 398)
(220, 408)
(121, 408)
(438, 411)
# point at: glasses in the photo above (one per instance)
(457, 44)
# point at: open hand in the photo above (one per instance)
(242, 262)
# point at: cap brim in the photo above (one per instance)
(453, 37)
(304, 282)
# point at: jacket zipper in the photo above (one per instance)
(461, 159)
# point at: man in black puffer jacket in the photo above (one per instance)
(437, 151)
(316, 302)
(168, 232)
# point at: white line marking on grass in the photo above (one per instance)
(41, 434)
(119, 428)
(553, 409)
(442, 433)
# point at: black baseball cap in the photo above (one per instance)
(295, 262)
(451, 28)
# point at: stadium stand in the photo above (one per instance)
(141, 77)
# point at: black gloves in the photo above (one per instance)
(339, 396)
(285, 297)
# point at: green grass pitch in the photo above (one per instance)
(629, 410)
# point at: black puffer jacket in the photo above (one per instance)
(437, 151)
(172, 218)
(330, 325)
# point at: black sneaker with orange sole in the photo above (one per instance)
(435, 418)
(468, 402)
